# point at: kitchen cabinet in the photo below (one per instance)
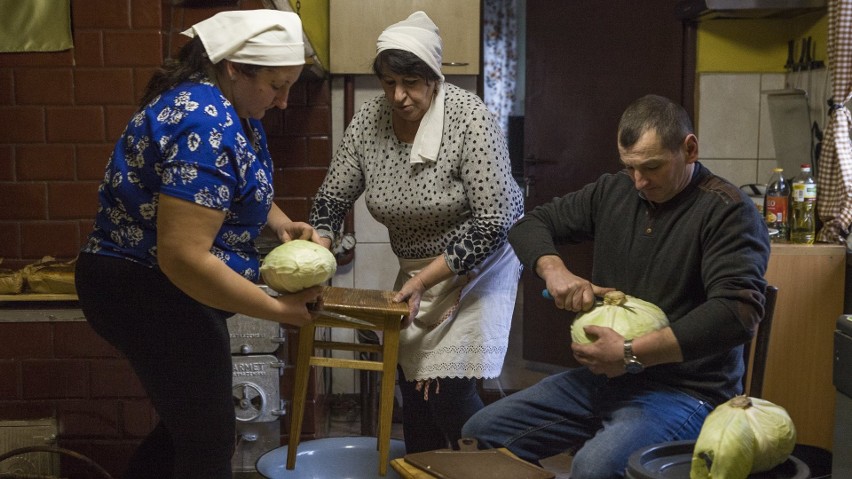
(798, 377)
(355, 27)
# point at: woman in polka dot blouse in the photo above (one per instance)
(433, 167)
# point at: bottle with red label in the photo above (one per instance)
(776, 206)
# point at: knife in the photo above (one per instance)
(316, 311)
(546, 295)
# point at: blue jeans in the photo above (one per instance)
(602, 420)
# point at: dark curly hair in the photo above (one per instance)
(402, 62)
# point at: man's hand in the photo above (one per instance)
(569, 291)
(605, 355)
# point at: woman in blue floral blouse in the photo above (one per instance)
(186, 191)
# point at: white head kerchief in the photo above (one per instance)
(418, 34)
(257, 37)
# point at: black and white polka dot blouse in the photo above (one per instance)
(461, 205)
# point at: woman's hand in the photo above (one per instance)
(297, 230)
(412, 291)
(295, 310)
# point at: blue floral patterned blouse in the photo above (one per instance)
(187, 143)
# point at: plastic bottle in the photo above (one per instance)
(775, 206)
(803, 219)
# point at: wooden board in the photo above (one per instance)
(353, 301)
(36, 297)
(491, 463)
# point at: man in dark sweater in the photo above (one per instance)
(665, 230)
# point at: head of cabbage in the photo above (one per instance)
(628, 316)
(297, 265)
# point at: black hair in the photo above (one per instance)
(402, 62)
(654, 112)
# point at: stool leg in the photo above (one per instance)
(300, 390)
(390, 351)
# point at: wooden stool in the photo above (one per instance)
(375, 307)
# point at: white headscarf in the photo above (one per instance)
(257, 37)
(418, 34)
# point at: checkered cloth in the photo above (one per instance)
(834, 175)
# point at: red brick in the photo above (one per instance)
(88, 48)
(44, 379)
(116, 120)
(86, 227)
(112, 455)
(76, 339)
(318, 93)
(25, 340)
(319, 151)
(78, 124)
(114, 378)
(7, 164)
(10, 380)
(141, 76)
(296, 208)
(45, 162)
(146, 14)
(138, 417)
(298, 95)
(288, 151)
(39, 59)
(92, 160)
(100, 14)
(23, 201)
(21, 410)
(7, 88)
(298, 182)
(273, 123)
(307, 121)
(10, 244)
(133, 48)
(43, 86)
(54, 238)
(89, 418)
(103, 86)
(22, 124)
(75, 200)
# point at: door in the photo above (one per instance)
(586, 61)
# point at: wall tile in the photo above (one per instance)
(43, 86)
(116, 120)
(45, 162)
(10, 243)
(114, 378)
(288, 152)
(138, 417)
(307, 121)
(25, 340)
(740, 171)
(298, 182)
(78, 124)
(146, 14)
(23, 201)
(129, 48)
(44, 379)
(367, 229)
(21, 410)
(103, 86)
(100, 13)
(78, 340)
(375, 267)
(89, 418)
(7, 163)
(22, 124)
(728, 117)
(92, 160)
(765, 145)
(73, 200)
(53, 238)
(7, 87)
(88, 48)
(10, 380)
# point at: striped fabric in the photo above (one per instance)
(834, 175)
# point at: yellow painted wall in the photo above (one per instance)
(314, 14)
(757, 45)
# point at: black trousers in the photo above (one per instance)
(180, 350)
(436, 422)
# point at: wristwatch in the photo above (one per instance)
(631, 363)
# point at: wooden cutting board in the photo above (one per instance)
(467, 463)
(365, 301)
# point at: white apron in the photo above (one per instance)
(462, 328)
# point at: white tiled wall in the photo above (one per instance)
(732, 120)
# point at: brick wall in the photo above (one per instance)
(60, 114)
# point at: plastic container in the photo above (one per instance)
(673, 460)
(331, 457)
(803, 207)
